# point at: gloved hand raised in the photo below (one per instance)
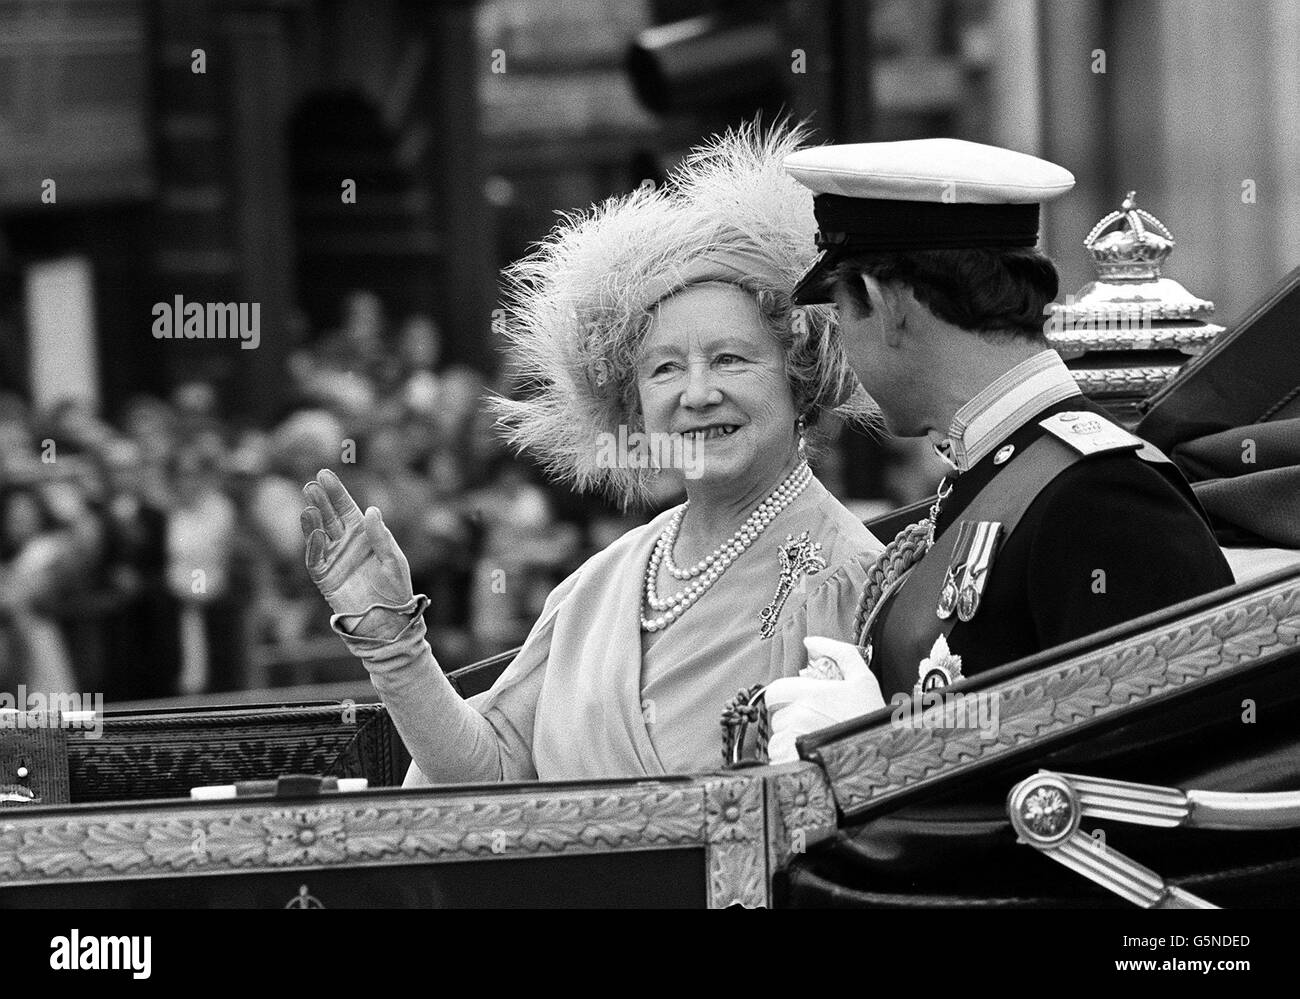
(352, 558)
(835, 686)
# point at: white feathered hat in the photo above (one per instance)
(579, 304)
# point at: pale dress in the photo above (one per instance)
(591, 696)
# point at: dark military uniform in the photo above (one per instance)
(1112, 536)
(1072, 525)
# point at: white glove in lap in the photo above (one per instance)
(809, 702)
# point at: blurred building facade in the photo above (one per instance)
(201, 148)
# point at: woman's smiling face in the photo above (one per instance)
(709, 369)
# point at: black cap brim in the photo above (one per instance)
(847, 226)
(817, 286)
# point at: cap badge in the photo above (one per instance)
(1004, 453)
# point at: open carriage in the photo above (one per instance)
(1157, 762)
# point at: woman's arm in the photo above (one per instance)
(448, 739)
(358, 567)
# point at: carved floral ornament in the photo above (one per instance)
(722, 816)
(738, 873)
(805, 813)
(105, 845)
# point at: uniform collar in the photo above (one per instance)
(1003, 406)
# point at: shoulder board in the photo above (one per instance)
(1089, 433)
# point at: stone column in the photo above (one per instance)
(452, 166)
(256, 51)
(1078, 63)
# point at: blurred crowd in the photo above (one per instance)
(156, 551)
(159, 552)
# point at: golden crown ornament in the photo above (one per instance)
(1130, 307)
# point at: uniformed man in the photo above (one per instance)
(1053, 522)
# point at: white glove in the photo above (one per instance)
(809, 702)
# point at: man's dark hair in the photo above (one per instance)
(990, 292)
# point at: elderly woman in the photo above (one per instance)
(661, 318)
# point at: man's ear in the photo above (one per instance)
(889, 299)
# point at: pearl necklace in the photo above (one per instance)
(715, 564)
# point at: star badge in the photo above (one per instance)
(939, 669)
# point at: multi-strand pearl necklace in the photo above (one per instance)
(706, 572)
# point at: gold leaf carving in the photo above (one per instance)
(118, 846)
(1133, 674)
(736, 875)
(963, 744)
(237, 841)
(869, 765)
(9, 864)
(913, 752)
(1286, 611)
(734, 809)
(54, 849)
(804, 800)
(175, 844)
(1025, 712)
(371, 833)
(1077, 693)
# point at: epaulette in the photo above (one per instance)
(1089, 433)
